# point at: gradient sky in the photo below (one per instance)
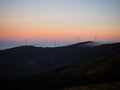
(60, 19)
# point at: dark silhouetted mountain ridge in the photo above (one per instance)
(30, 60)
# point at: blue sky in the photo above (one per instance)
(88, 11)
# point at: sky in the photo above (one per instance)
(61, 20)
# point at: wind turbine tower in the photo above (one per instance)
(96, 38)
(26, 42)
(78, 39)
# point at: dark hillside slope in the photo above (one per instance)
(29, 60)
(103, 86)
(106, 69)
(98, 72)
(86, 65)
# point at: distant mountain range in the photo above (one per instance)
(30, 60)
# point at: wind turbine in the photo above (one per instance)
(55, 43)
(96, 38)
(78, 39)
(26, 41)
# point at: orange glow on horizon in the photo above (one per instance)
(20, 33)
